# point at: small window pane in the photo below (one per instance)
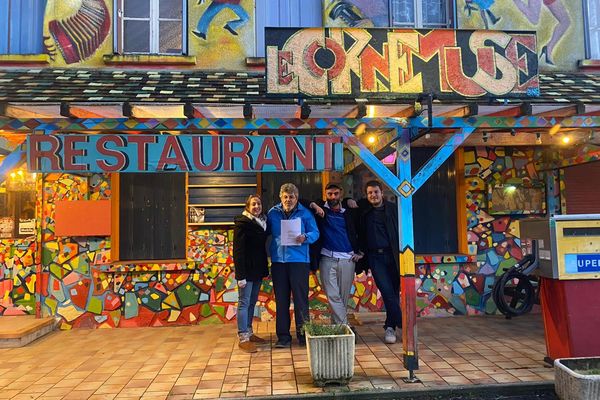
(403, 12)
(170, 37)
(434, 12)
(137, 8)
(136, 36)
(171, 9)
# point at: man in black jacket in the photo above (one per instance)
(336, 251)
(378, 237)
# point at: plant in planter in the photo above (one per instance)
(330, 352)
(577, 378)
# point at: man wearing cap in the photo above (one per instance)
(337, 250)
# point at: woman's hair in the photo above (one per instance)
(249, 199)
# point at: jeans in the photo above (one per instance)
(337, 275)
(290, 279)
(387, 279)
(247, 298)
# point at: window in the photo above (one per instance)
(285, 13)
(434, 207)
(17, 205)
(420, 13)
(21, 26)
(150, 26)
(152, 216)
(593, 28)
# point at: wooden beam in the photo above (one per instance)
(554, 110)
(33, 110)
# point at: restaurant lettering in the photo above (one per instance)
(182, 153)
(353, 62)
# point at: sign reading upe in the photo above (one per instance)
(386, 62)
(182, 153)
(582, 263)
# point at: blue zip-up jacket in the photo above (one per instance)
(286, 254)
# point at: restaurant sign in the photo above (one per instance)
(385, 62)
(183, 153)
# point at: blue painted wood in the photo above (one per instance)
(10, 162)
(284, 13)
(357, 148)
(405, 206)
(4, 26)
(21, 26)
(440, 156)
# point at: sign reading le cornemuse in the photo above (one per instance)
(386, 62)
(182, 153)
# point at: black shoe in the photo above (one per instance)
(283, 343)
(200, 34)
(230, 29)
(302, 341)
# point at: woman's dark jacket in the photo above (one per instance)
(391, 214)
(249, 250)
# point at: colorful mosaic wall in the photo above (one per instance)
(82, 288)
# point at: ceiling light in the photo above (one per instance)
(566, 139)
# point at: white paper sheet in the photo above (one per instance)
(290, 230)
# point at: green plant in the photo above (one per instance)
(320, 329)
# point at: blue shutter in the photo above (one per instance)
(285, 13)
(21, 26)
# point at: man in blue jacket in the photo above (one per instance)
(290, 261)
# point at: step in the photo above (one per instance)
(18, 331)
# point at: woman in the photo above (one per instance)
(250, 259)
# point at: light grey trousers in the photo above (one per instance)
(337, 276)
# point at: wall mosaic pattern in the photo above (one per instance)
(81, 289)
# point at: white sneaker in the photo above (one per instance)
(390, 335)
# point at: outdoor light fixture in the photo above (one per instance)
(484, 136)
(555, 129)
(247, 111)
(371, 139)
(304, 111)
(538, 138)
(371, 112)
(566, 139)
(361, 111)
(513, 132)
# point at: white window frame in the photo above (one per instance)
(154, 18)
(418, 17)
(592, 32)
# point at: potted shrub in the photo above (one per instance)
(577, 378)
(330, 353)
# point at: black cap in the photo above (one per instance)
(332, 185)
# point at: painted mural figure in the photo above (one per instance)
(213, 9)
(484, 10)
(293, 229)
(77, 28)
(532, 10)
(251, 266)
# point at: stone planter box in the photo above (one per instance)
(331, 357)
(577, 378)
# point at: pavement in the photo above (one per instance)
(484, 357)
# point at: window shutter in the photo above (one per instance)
(285, 13)
(21, 26)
